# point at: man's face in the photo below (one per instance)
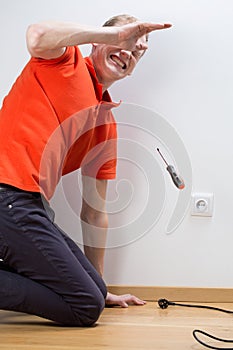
(112, 63)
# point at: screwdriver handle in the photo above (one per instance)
(178, 181)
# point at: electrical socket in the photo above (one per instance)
(202, 204)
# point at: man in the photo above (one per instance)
(57, 118)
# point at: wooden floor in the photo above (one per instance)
(137, 328)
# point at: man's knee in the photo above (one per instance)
(89, 312)
(92, 311)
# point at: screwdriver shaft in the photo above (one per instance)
(162, 157)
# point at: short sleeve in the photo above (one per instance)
(69, 57)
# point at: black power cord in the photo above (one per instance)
(212, 337)
(164, 303)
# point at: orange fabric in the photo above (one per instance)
(54, 121)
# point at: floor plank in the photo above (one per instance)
(138, 328)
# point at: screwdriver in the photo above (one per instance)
(177, 180)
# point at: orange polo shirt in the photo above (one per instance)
(54, 121)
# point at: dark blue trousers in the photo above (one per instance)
(43, 271)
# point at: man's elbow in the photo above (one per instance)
(34, 37)
(94, 218)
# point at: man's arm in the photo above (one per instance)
(94, 220)
(94, 228)
(49, 39)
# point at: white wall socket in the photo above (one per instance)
(202, 204)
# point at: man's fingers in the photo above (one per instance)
(158, 26)
(123, 300)
(167, 25)
(132, 299)
(123, 304)
(138, 301)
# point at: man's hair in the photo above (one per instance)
(120, 20)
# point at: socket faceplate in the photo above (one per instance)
(202, 204)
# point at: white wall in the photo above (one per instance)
(186, 76)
